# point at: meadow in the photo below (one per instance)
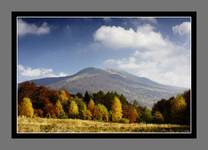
(47, 125)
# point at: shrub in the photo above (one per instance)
(124, 120)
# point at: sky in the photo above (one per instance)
(153, 47)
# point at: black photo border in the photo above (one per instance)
(192, 14)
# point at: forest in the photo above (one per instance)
(42, 102)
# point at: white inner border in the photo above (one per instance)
(19, 17)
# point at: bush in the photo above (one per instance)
(124, 120)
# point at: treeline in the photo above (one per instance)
(39, 101)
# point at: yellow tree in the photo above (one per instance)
(26, 108)
(91, 106)
(178, 108)
(63, 96)
(116, 109)
(179, 104)
(73, 109)
(58, 109)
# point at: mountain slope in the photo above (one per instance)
(145, 91)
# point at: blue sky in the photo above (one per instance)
(156, 48)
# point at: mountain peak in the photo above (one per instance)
(90, 70)
(93, 79)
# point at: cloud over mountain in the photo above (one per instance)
(159, 58)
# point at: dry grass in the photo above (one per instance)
(44, 125)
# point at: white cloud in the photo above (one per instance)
(25, 28)
(118, 37)
(28, 73)
(154, 56)
(182, 29)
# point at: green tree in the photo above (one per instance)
(73, 109)
(26, 108)
(82, 109)
(116, 109)
(147, 115)
(87, 97)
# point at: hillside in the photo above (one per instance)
(144, 90)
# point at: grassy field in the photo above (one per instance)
(76, 125)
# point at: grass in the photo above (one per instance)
(46, 125)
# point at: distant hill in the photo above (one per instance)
(144, 90)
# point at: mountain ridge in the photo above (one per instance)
(92, 79)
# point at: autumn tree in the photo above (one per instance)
(26, 89)
(129, 112)
(133, 115)
(59, 110)
(179, 104)
(91, 106)
(116, 109)
(178, 109)
(73, 109)
(101, 112)
(63, 96)
(158, 117)
(49, 110)
(88, 115)
(26, 108)
(186, 95)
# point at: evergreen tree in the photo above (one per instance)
(86, 97)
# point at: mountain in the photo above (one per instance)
(144, 90)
